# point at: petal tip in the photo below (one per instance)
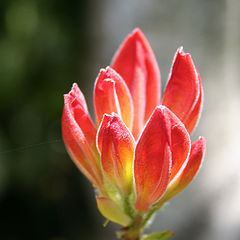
(108, 68)
(161, 107)
(103, 70)
(74, 86)
(180, 52)
(203, 139)
(72, 93)
(201, 143)
(180, 49)
(137, 32)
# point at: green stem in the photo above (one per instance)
(134, 231)
(148, 217)
(128, 207)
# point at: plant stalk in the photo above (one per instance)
(133, 232)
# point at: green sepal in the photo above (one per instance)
(110, 210)
(158, 236)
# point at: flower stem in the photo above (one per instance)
(134, 231)
(128, 208)
(148, 217)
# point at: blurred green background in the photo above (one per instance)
(45, 46)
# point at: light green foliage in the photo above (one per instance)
(158, 236)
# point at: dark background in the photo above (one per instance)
(45, 46)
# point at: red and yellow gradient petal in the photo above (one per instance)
(183, 91)
(153, 160)
(111, 94)
(186, 175)
(79, 135)
(117, 150)
(136, 63)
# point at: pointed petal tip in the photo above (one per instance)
(102, 70)
(71, 94)
(106, 118)
(180, 52)
(160, 108)
(180, 49)
(106, 115)
(108, 68)
(115, 115)
(107, 73)
(75, 90)
(203, 139)
(137, 32)
(111, 73)
(200, 145)
(75, 86)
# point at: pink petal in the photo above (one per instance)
(79, 135)
(182, 94)
(117, 149)
(111, 94)
(136, 63)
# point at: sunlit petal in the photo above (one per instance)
(183, 91)
(136, 63)
(117, 149)
(79, 135)
(153, 160)
(111, 94)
